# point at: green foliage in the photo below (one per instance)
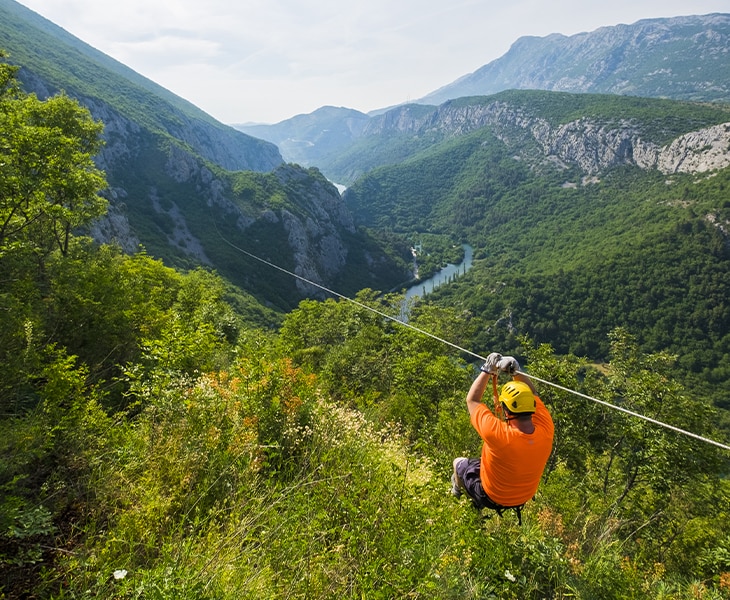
(388, 372)
(249, 484)
(233, 473)
(565, 259)
(153, 444)
(48, 182)
(567, 265)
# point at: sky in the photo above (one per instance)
(264, 61)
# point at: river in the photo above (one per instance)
(422, 288)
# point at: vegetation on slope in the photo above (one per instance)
(67, 63)
(403, 133)
(572, 259)
(152, 444)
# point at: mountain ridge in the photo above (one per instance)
(612, 59)
(595, 60)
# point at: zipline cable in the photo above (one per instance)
(343, 297)
(631, 412)
(469, 352)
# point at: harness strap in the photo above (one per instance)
(495, 395)
(517, 509)
(499, 509)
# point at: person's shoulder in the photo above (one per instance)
(483, 418)
(481, 412)
(540, 404)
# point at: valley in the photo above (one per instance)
(183, 414)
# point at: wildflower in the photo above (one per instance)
(725, 581)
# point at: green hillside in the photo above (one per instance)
(568, 256)
(157, 441)
(66, 63)
(163, 435)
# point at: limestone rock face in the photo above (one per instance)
(591, 144)
(697, 152)
(113, 228)
(315, 235)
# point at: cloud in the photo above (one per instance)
(267, 60)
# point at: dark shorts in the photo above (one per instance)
(468, 472)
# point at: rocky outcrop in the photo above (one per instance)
(315, 233)
(180, 236)
(113, 227)
(593, 145)
(697, 152)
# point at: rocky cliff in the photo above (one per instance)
(594, 144)
(315, 237)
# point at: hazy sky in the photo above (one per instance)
(268, 60)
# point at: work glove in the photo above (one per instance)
(490, 366)
(508, 364)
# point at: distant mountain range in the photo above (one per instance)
(186, 187)
(683, 58)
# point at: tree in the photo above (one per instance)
(48, 189)
(49, 184)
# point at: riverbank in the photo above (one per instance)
(445, 275)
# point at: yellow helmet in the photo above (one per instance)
(517, 397)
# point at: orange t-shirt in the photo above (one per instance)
(512, 462)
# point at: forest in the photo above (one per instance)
(567, 263)
(157, 441)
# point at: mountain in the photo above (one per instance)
(307, 138)
(588, 131)
(684, 58)
(53, 60)
(178, 179)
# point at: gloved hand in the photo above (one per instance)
(490, 366)
(508, 364)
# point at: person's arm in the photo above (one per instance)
(474, 397)
(476, 392)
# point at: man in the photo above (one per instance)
(515, 451)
